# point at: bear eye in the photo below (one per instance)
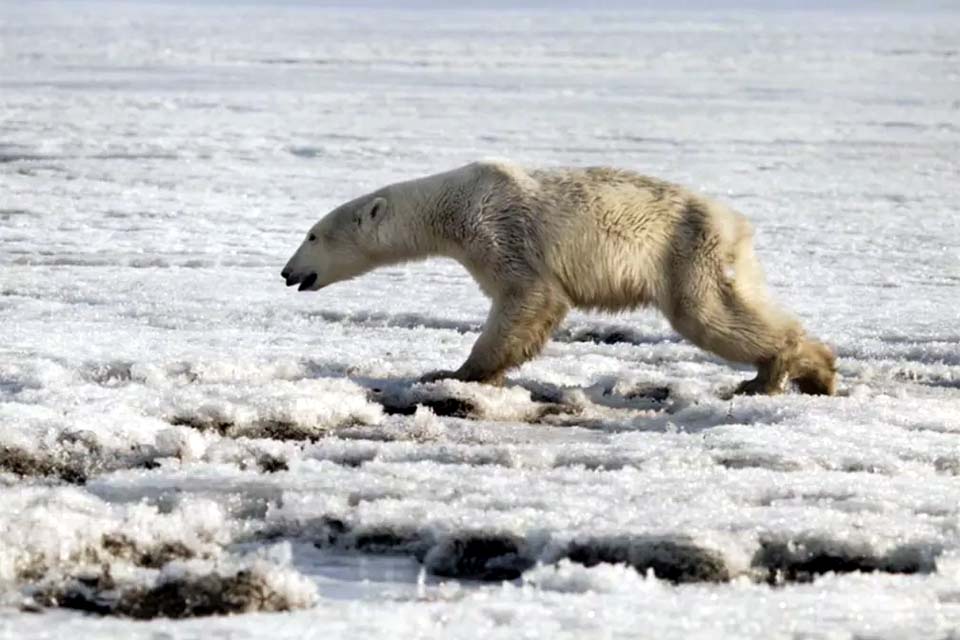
(312, 237)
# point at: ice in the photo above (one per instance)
(180, 435)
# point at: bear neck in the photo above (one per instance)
(427, 220)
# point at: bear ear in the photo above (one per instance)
(373, 212)
(377, 207)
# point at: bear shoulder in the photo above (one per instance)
(504, 170)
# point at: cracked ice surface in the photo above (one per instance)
(184, 437)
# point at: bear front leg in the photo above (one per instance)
(519, 324)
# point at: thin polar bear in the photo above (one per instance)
(539, 242)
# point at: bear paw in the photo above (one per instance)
(435, 376)
(760, 386)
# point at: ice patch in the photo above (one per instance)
(59, 531)
(464, 399)
(302, 410)
(185, 589)
(570, 577)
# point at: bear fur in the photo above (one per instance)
(541, 241)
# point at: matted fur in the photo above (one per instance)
(539, 242)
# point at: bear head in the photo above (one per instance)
(342, 245)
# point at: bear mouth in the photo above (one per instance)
(307, 282)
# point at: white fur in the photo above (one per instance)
(539, 242)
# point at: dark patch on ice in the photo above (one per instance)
(31, 568)
(374, 539)
(8, 157)
(153, 557)
(74, 458)
(78, 594)
(190, 596)
(474, 556)
(819, 498)
(678, 561)
(640, 397)
(803, 560)
(344, 62)
(335, 526)
(302, 61)
(13, 386)
(403, 396)
(544, 391)
(107, 373)
(155, 262)
(612, 334)
(133, 156)
(201, 423)
(373, 433)
(208, 595)
(447, 407)
(282, 430)
(650, 392)
(747, 460)
(272, 464)
(29, 465)
(674, 414)
(478, 557)
(385, 541)
(494, 557)
(567, 400)
(943, 382)
(936, 53)
(860, 466)
(307, 152)
(6, 214)
(352, 458)
(596, 462)
(947, 465)
(927, 379)
(270, 429)
(113, 546)
(85, 440)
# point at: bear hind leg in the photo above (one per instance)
(725, 322)
(753, 332)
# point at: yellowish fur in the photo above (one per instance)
(539, 242)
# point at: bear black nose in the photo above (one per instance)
(285, 274)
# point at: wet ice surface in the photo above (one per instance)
(178, 428)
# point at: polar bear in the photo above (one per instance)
(541, 241)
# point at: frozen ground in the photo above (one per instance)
(182, 435)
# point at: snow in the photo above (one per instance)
(177, 426)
